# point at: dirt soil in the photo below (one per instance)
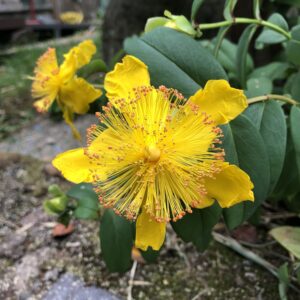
(31, 260)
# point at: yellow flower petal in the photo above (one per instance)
(128, 74)
(222, 102)
(82, 54)
(74, 165)
(149, 233)
(231, 186)
(44, 104)
(77, 94)
(45, 82)
(47, 63)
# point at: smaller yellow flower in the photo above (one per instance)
(60, 83)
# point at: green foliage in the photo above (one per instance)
(195, 8)
(186, 70)
(269, 119)
(283, 276)
(116, 237)
(87, 203)
(197, 226)
(293, 46)
(229, 8)
(245, 147)
(241, 55)
(269, 36)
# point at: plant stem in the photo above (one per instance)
(273, 96)
(246, 21)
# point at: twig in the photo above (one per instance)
(182, 255)
(201, 293)
(131, 282)
(236, 246)
(258, 246)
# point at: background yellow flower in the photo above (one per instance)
(60, 83)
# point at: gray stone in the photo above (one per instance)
(69, 287)
(46, 138)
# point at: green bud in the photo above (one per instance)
(55, 205)
(179, 23)
(55, 190)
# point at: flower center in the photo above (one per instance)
(152, 153)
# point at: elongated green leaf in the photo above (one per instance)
(269, 119)
(229, 8)
(283, 276)
(197, 226)
(116, 237)
(274, 70)
(195, 8)
(269, 36)
(185, 70)
(288, 237)
(219, 39)
(288, 183)
(244, 146)
(227, 55)
(295, 130)
(293, 46)
(242, 51)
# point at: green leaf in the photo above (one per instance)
(86, 213)
(116, 237)
(244, 147)
(283, 276)
(195, 8)
(289, 238)
(87, 201)
(288, 183)
(185, 70)
(197, 226)
(155, 22)
(94, 67)
(258, 87)
(269, 36)
(256, 9)
(227, 55)
(295, 131)
(295, 86)
(269, 119)
(229, 8)
(219, 39)
(242, 51)
(293, 46)
(274, 70)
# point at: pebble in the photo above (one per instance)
(71, 287)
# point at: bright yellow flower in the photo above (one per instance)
(156, 155)
(73, 94)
